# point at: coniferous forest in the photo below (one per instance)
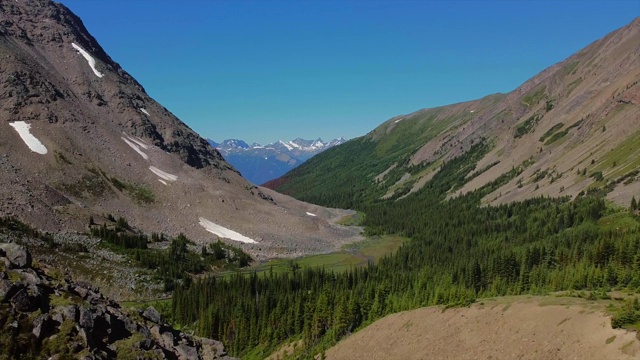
(459, 251)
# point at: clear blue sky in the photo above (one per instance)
(267, 70)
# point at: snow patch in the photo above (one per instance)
(162, 174)
(310, 214)
(90, 59)
(144, 111)
(162, 181)
(135, 147)
(397, 121)
(285, 145)
(223, 232)
(293, 144)
(138, 141)
(32, 142)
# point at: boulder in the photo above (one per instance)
(81, 291)
(7, 290)
(187, 352)
(57, 317)
(152, 314)
(70, 312)
(128, 323)
(168, 340)
(29, 277)
(18, 256)
(22, 301)
(42, 326)
(86, 318)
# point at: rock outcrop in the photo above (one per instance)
(45, 315)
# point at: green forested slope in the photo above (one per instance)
(458, 251)
(343, 176)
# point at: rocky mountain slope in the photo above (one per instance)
(572, 128)
(43, 313)
(261, 163)
(79, 137)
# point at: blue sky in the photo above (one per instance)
(268, 70)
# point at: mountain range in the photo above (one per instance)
(261, 163)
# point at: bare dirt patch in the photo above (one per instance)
(505, 328)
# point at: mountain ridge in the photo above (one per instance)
(552, 128)
(261, 163)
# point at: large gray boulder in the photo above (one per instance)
(152, 314)
(18, 255)
(187, 352)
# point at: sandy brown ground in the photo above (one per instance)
(542, 328)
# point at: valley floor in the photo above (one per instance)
(522, 327)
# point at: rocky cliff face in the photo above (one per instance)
(44, 314)
(43, 80)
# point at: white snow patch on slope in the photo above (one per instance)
(223, 232)
(162, 174)
(162, 181)
(135, 147)
(310, 214)
(397, 121)
(145, 111)
(136, 140)
(90, 59)
(32, 142)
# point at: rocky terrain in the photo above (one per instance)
(79, 137)
(44, 314)
(261, 163)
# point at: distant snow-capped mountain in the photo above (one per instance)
(261, 163)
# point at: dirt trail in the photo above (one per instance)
(541, 328)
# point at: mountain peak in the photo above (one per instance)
(80, 138)
(260, 164)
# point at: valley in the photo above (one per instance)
(503, 227)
